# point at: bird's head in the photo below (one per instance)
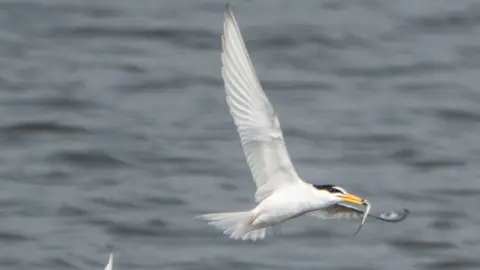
(339, 194)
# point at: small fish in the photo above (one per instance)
(365, 214)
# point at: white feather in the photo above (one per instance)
(110, 262)
(257, 123)
(237, 225)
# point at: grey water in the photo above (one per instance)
(114, 131)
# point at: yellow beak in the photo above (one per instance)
(351, 198)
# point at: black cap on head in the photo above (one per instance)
(330, 188)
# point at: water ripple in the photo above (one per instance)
(72, 211)
(56, 263)
(11, 237)
(186, 38)
(87, 158)
(130, 230)
(33, 128)
(395, 70)
(448, 21)
(421, 245)
(453, 263)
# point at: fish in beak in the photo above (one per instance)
(350, 198)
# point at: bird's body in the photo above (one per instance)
(290, 202)
(283, 204)
(281, 194)
(280, 206)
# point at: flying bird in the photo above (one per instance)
(281, 194)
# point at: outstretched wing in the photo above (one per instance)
(257, 124)
(344, 211)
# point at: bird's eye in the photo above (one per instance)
(336, 190)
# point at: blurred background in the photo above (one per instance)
(115, 132)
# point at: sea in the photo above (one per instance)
(115, 133)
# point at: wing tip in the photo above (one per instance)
(229, 16)
(109, 265)
(228, 10)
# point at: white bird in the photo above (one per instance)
(281, 194)
(110, 262)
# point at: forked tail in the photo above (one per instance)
(238, 225)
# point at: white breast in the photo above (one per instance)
(289, 202)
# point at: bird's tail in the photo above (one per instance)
(237, 225)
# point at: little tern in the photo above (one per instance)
(281, 194)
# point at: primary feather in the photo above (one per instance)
(257, 123)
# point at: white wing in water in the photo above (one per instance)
(110, 262)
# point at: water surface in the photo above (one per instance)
(115, 131)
